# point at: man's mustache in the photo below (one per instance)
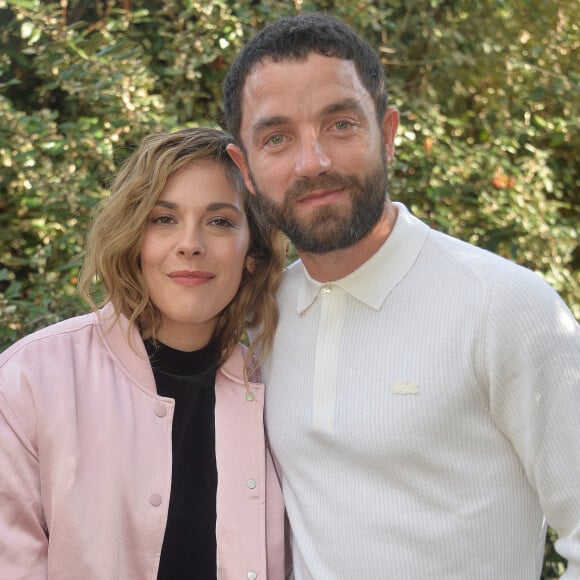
(328, 181)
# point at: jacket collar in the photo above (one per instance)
(374, 280)
(134, 359)
(131, 357)
(233, 367)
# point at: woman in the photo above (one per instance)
(124, 453)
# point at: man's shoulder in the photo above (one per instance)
(512, 288)
(475, 260)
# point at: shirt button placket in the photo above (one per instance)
(155, 499)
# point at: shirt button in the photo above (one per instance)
(327, 288)
(250, 396)
(160, 410)
(252, 575)
(251, 483)
(155, 499)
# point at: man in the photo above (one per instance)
(423, 395)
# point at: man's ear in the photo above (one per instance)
(239, 159)
(389, 131)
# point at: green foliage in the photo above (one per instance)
(487, 150)
(495, 121)
(554, 564)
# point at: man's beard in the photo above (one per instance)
(329, 228)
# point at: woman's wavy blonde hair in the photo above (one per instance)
(111, 270)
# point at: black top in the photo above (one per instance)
(189, 545)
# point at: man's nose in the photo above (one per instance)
(312, 159)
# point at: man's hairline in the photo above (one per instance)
(290, 58)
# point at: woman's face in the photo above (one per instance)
(194, 252)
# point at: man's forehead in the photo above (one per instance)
(282, 60)
(286, 72)
(320, 78)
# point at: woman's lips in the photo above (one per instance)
(190, 278)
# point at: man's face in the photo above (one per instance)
(327, 227)
(315, 154)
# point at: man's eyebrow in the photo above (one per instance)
(352, 105)
(267, 123)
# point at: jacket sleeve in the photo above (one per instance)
(23, 530)
(533, 359)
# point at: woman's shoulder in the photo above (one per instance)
(66, 330)
(70, 334)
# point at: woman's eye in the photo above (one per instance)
(221, 222)
(163, 220)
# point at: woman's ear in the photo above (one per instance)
(250, 264)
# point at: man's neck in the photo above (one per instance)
(335, 265)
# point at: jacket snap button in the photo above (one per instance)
(155, 499)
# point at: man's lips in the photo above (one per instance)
(190, 278)
(321, 197)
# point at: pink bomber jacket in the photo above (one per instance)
(85, 461)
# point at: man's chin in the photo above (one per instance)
(319, 238)
(324, 217)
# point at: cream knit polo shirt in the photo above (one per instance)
(425, 415)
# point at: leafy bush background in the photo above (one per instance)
(487, 90)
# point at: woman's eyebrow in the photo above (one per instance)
(166, 204)
(214, 206)
(217, 205)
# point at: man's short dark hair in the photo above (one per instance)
(294, 38)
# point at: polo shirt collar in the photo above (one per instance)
(373, 281)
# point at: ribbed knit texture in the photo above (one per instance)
(424, 434)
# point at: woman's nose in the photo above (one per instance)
(191, 244)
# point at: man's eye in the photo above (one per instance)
(276, 140)
(342, 125)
